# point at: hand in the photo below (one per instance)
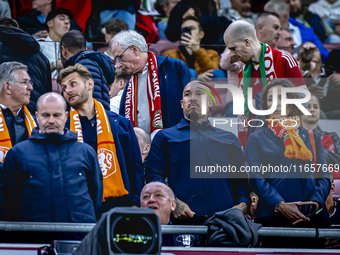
(253, 204)
(182, 210)
(334, 79)
(189, 12)
(41, 34)
(310, 203)
(291, 211)
(306, 53)
(316, 90)
(206, 76)
(242, 206)
(190, 42)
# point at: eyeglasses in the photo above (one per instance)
(118, 59)
(25, 82)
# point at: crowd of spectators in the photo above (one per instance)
(115, 112)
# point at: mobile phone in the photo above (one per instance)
(186, 30)
(308, 210)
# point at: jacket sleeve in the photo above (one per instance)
(9, 189)
(239, 181)
(137, 177)
(323, 51)
(207, 59)
(184, 74)
(100, 83)
(323, 183)
(156, 161)
(95, 181)
(258, 183)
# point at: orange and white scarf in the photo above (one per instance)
(5, 142)
(106, 151)
(154, 96)
(285, 128)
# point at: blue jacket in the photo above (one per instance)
(129, 158)
(265, 149)
(52, 178)
(102, 70)
(173, 76)
(177, 151)
(308, 35)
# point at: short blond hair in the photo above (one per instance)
(83, 72)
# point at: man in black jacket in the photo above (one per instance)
(17, 45)
(51, 177)
(73, 51)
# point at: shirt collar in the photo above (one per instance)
(5, 107)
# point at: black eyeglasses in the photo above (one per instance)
(118, 59)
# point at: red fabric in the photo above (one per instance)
(81, 9)
(336, 175)
(21, 7)
(328, 143)
(146, 25)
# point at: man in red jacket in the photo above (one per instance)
(262, 65)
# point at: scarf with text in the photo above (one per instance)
(5, 142)
(267, 72)
(154, 96)
(113, 185)
(285, 128)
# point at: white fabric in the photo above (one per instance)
(115, 102)
(143, 115)
(105, 53)
(296, 34)
(51, 51)
(323, 8)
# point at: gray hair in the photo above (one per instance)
(278, 6)
(7, 72)
(130, 37)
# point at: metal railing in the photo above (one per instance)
(167, 229)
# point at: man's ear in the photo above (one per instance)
(182, 103)
(90, 83)
(121, 84)
(36, 114)
(135, 49)
(247, 42)
(63, 51)
(259, 27)
(210, 102)
(50, 23)
(146, 149)
(173, 205)
(7, 88)
(201, 34)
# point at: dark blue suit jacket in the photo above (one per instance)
(173, 76)
(264, 149)
(129, 158)
(176, 151)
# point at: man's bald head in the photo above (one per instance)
(51, 96)
(239, 30)
(160, 198)
(144, 141)
(51, 113)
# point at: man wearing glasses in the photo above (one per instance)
(16, 122)
(150, 99)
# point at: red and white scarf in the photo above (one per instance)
(270, 75)
(154, 96)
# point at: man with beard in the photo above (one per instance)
(110, 135)
(156, 83)
(286, 41)
(179, 155)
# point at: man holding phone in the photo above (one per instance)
(203, 64)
